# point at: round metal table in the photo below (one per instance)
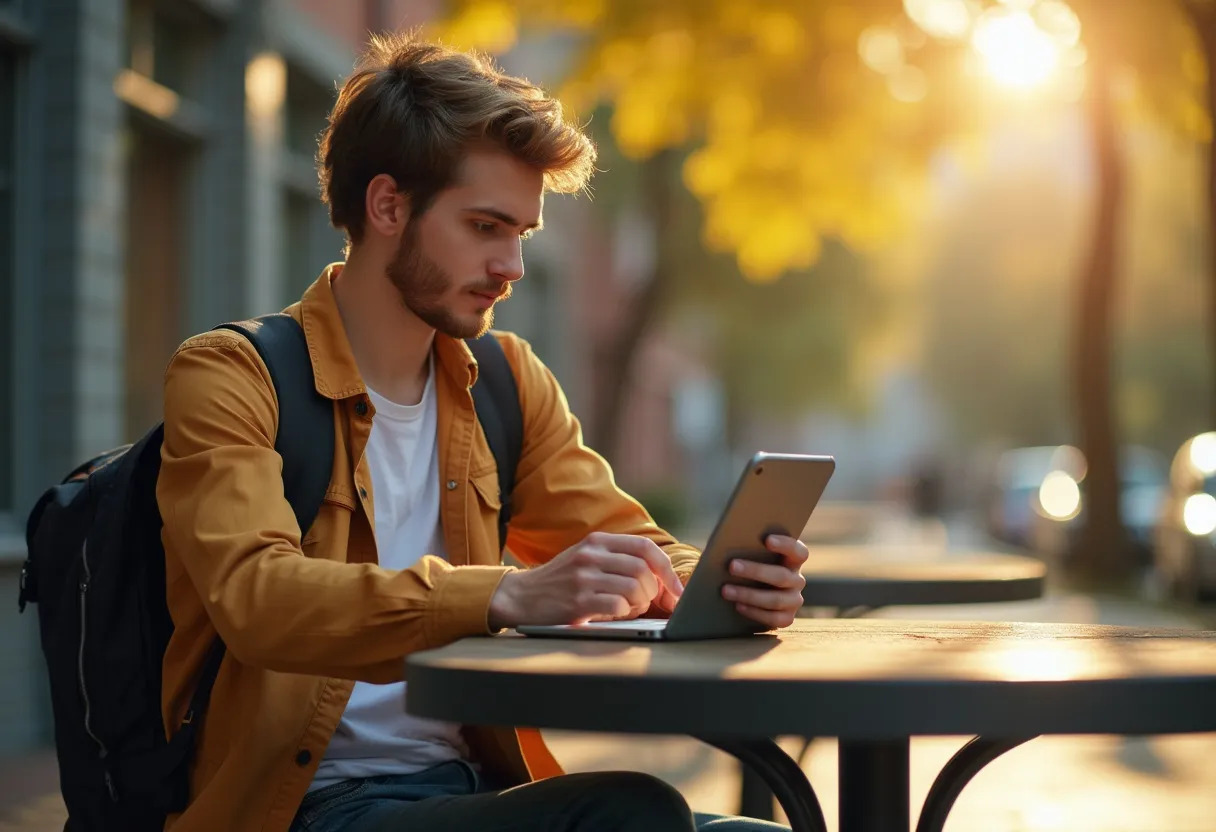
(872, 683)
(853, 580)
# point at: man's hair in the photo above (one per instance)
(414, 110)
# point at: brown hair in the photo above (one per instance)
(413, 110)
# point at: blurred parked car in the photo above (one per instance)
(1013, 497)
(1043, 504)
(1184, 552)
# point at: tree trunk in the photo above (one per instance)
(614, 359)
(1103, 555)
(1204, 19)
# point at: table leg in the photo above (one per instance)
(874, 785)
(755, 797)
(956, 774)
(782, 775)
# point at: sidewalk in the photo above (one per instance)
(29, 794)
(1054, 784)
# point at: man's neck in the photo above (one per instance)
(391, 345)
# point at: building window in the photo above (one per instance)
(158, 170)
(8, 166)
(166, 44)
(307, 109)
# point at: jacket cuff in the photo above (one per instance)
(683, 560)
(462, 602)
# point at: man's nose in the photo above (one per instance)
(510, 265)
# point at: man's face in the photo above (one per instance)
(460, 257)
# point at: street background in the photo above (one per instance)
(964, 246)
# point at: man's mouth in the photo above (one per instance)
(495, 294)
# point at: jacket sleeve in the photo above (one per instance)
(563, 489)
(227, 521)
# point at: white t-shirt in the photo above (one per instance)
(376, 736)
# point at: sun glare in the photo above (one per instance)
(1016, 52)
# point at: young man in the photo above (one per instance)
(434, 163)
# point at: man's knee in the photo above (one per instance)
(643, 801)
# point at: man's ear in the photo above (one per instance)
(387, 209)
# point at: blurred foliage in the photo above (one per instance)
(1161, 68)
(776, 345)
(668, 506)
(811, 130)
(796, 139)
(814, 120)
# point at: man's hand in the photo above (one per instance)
(606, 576)
(778, 603)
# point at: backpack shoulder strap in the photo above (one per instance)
(305, 437)
(305, 440)
(496, 400)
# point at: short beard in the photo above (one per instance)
(422, 283)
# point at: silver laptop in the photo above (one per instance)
(776, 494)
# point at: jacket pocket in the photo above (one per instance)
(486, 486)
(484, 505)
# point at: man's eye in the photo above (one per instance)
(483, 227)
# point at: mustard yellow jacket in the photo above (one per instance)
(304, 613)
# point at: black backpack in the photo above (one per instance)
(96, 569)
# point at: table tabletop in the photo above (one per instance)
(855, 678)
(868, 577)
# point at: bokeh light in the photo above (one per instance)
(1060, 496)
(1199, 514)
(1203, 453)
(941, 18)
(1015, 51)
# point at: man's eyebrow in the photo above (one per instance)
(507, 218)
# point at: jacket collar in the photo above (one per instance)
(333, 363)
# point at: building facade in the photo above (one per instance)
(156, 179)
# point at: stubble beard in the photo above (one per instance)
(422, 284)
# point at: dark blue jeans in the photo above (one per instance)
(452, 798)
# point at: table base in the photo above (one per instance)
(783, 775)
(873, 783)
(956, 774)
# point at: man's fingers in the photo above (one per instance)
(638, 592)
(604, 607)
(768, 599)
(776, 575)
(647, 550)
(772, 619)
(794, 551)
(629, 566)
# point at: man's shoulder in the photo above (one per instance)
(213, 338)
(217, 351)
(518, 351)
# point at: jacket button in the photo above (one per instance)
(304, 757)
(361, 408)
(452, 485)
(363, 493)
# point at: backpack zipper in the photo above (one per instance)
(84, 690)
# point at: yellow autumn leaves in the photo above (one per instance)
(808, 120)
